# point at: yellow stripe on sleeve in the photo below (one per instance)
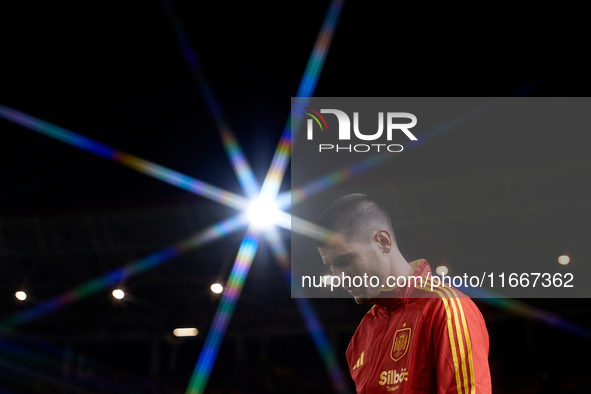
(451, 336)
(467, 384)
(468, 345)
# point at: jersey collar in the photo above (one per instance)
(394, 296)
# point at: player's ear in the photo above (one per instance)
(385, 241)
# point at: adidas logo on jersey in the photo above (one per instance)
(360, 361)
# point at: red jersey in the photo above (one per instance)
(437, 343)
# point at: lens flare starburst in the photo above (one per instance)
(260, 212)
(263, 213)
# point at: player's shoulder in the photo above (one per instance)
(444, 299)
(367, 321)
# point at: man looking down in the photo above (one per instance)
(415, 338)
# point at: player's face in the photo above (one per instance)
(355, 259)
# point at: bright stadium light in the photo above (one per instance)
(441, 270)
(118, 293)
(20, 295)
(263, 212)
(217, 288)
(564, 259)
(185, 332)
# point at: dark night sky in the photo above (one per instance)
(115, 73)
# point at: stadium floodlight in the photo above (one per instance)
(217, 288)
(118, 293)
(185, 332)
(441, 270)
(263, 212)
(20, 295)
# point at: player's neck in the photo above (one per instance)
(398, 264)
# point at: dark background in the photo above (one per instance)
(114, 71)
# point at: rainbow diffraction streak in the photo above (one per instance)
(152, 169)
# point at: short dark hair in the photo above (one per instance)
(356, 216)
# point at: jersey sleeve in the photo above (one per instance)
(461, 347)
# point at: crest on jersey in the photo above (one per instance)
(400, 343)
